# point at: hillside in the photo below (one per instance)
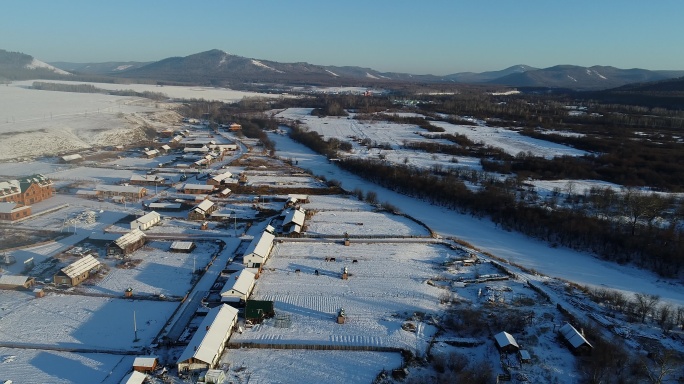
(20, 66)
(98, 68)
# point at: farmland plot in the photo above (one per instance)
(363, 224)
(386, 285)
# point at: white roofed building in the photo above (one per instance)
(258, 250)
(220, 178)
(202, 210)
(132, 193)
(182, 246)
(238, 287)
(574, 339)
(16, 282)
(146, 221)
(505, 342)
(293, 220)
(207, 344)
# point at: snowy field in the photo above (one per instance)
(335, 203)
(298, 366)
(34, 122)
(394, 134)
(159, 272)
(175, 92)
(509, 141)
(54, 367)
(71, 321)
(283, 181)
(363, 223)
(342, 128)
(387, 284)
(92, 174)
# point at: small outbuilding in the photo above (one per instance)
(182, 246)
(506, 343)
(202, 210)
(71, 158)
(145, 363)
(77, 272)
(213, 376)
(575, 340)
(16, 282)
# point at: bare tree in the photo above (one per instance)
(645, 304)
(661, 366)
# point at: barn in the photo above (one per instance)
(207, 344)
(76, 272)
(258, 250)
(16, 282)
(238, 287)
(126, 244)
(146, 221)
(575, 340)
(506, 343)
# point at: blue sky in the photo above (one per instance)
(436, 37)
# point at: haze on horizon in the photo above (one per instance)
(439, 37)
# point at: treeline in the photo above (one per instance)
(89, 88)
(649, 246)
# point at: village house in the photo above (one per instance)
(202, 211)
(28, 190)
(234, 127)
(126, 244)
(134, 377)
(151, 153)
(147, 180)
(208, 342)
(130, 193)
(146, 221)
(293, 220)
(76, 272)
(238, 287)
(11, 211)
(194, 189)
(219, 179)
(225, 192)
(16, 282)
(157, 206)
(258, 250)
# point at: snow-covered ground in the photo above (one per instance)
(72, 321)
(297, 366)
(35, 122)
(363, 223)
(159, 272)
(45, 366)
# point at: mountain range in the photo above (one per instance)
(216, 67)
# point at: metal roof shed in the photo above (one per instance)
(575, 339)
(74, 273)
(258, 250)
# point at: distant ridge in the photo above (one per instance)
(216, 67)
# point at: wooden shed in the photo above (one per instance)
(145, 363)
(575, 340)
(126, 244)
(76, 272)
(16, 282)
(506, 343)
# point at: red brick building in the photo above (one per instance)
(27, 190)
